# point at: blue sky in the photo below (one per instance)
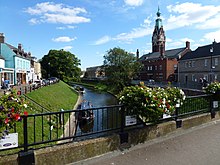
(89, 28)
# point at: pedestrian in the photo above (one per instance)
(205, 83)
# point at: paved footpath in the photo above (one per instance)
(196, 146)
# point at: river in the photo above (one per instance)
(102, 118)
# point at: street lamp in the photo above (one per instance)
(212, 67)
(49, 70)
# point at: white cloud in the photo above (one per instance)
(187, 14)
(169, 39)
(66, 27)
(213, 36)
(187, 39)
(67, 48)
(174, 44)
(211, 23)
(56, 13)
(63, 39)
(135, 33)
(103, 40)
(133, 2)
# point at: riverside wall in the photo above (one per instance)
(76, 151)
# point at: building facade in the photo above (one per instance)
(96, 72)
(161, 64)
(203, 63)
(17, 63)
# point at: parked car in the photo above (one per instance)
(45, 82)
(53, 80)
(36, 84)
(151, 81)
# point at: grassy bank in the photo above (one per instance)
(55, 97)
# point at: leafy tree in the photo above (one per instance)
(120, 67)
(61, 64)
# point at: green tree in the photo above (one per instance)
(120, 68)
(61, 64)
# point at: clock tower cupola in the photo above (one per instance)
(158, 38)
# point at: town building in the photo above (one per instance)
(161, 64)
(15, 64)
(96, 72)
(202, 63)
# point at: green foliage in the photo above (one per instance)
(120, 68)
(61, 64)
(151, 103)
(212, 88)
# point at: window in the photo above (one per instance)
(160, 67)
(216, 76)
(190, 64)
(175, 67)
(151, 67)
(155, 67)
(193, 63)
(186, 64)
(193, 77)
(206, 62)
(215, 61)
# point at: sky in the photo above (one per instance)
(90, 28)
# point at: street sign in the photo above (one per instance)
(130, 120)
(9, 141)
(215, 104)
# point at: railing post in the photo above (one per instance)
(25, 133)
(178, 121)
(123, 135)
(212, 108)
(26, 157)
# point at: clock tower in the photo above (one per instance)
(158, 38)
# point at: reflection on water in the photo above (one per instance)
(102, 119)
(99, 99)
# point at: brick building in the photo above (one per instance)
(161, 64)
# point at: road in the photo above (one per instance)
(195, 146)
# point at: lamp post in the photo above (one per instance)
(212, 67)
(49, 70)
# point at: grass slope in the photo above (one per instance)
(55, 97)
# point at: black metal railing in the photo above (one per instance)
(50, 128)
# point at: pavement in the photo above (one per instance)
(198, 145)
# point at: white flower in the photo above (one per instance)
(25, 105)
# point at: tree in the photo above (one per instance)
(120, 67)
(61, 64)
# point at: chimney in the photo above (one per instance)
(2, 38)
(19, 47)
(187, 44)
(137, 54)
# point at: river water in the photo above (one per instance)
(99, 99)
(103, 118)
